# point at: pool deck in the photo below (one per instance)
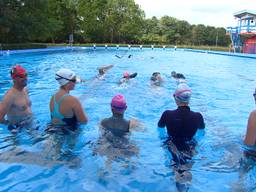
(66, 48)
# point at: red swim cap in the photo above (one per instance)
(18, 71)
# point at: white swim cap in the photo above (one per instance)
(183, 93)
(64, 76)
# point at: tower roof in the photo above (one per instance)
(245, 13)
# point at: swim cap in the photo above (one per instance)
(182, 93)
(126, 74)
(118, 103)
(18, 71)
(64, 76)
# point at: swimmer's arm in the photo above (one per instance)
(3, 112)
(101, 126)
(79, 112)
(26, 90)
(5, 106)
(201, 124)
(161, 122)
(109, 66)
(106, 67)
(80, 80)
(250, 137)
(136, 125)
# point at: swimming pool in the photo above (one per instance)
(222, 91)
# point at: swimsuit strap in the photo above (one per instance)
(56, 106)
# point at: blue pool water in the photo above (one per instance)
(222, 91)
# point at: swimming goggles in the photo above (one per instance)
(71, 80)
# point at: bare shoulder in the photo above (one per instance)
(8, 98)
(253, 113)
(72, 99)
(9, 94)
(252, 118)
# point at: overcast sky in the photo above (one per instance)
(218, 13)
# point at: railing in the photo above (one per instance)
(232, 29)
(242, 29)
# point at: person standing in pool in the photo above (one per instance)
(114, 142)
(16, 104)
(117, 124)
(250, 137)
(65, 108)
(182, 123)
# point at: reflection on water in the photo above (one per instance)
(181, 163)
(47, 149)
(115, 148)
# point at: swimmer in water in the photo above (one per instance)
(179, 77)
(101, 72)
(117, 124)
(104, 69)
(127, 76)
(156, 79)
(119, 57)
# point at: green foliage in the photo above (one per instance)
(98, 21)
(23, 46)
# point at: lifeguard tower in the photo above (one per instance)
(243, 36)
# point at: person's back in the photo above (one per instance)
(117, 124)
(62, 110)
(181, 123)
(66, 109)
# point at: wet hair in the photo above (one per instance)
(155, 73)
(177, 75)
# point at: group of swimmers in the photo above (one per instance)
(66, 110)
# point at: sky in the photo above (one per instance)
(217, 13)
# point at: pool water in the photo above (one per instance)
(222, 86)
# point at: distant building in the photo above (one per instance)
(243, 36)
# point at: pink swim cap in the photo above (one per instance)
(118, 103)
(126, 74)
